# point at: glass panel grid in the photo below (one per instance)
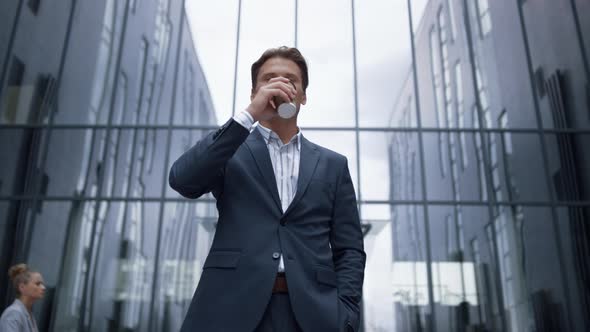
(497, 144)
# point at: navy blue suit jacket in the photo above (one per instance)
(319, 235)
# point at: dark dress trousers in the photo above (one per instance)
(319, 235)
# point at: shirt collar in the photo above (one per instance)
(268, 134)
(21, 305)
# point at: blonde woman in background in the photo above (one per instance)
(29, 287)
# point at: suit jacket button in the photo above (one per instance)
(276, 255)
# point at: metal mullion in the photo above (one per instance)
(131, 164)
(65, 49)
(10, 45)
(88, 198)
(102, 170)
(356, 111)
(296, 22)
(455, 137)
(48, 107)
(107, 156)
(449, 109)
(486, 155)
(233, 105)
(456, 130)
(134, 143)
(443, 80)
(544, 149)
(385, 202)
(580, 38)
(370, 129)
(479, 203)
(431, 319)
(25, 238)
(24, 220)
(162, 199)
(106, 126)
(357, 134)
(9, 244)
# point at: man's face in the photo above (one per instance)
(286, 68)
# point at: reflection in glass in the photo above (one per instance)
(501, 226)
(454, 283)
(95, 237)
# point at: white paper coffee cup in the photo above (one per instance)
(287, 110)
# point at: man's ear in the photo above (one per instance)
(303, 99)
(252, 94)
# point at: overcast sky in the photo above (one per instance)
(325, 39)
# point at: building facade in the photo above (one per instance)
(490, 169)
(89, 92)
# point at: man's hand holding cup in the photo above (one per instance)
(273, 98)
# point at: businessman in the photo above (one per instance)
(288, 250)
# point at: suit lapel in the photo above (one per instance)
(259, 150)
(307, 164)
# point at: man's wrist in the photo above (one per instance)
(245, 119)
(252, 113)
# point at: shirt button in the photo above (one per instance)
(276, 255)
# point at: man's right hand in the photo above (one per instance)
(262, 107)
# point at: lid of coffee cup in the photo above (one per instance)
(287, 110)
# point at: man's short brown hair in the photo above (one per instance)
(290, 53)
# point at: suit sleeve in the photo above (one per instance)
(348, 252)
(201, 169)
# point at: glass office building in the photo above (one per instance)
(472, 174)
(490, 167)
(90, 92)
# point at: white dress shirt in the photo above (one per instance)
(285, 160)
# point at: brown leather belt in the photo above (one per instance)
(280, 285)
